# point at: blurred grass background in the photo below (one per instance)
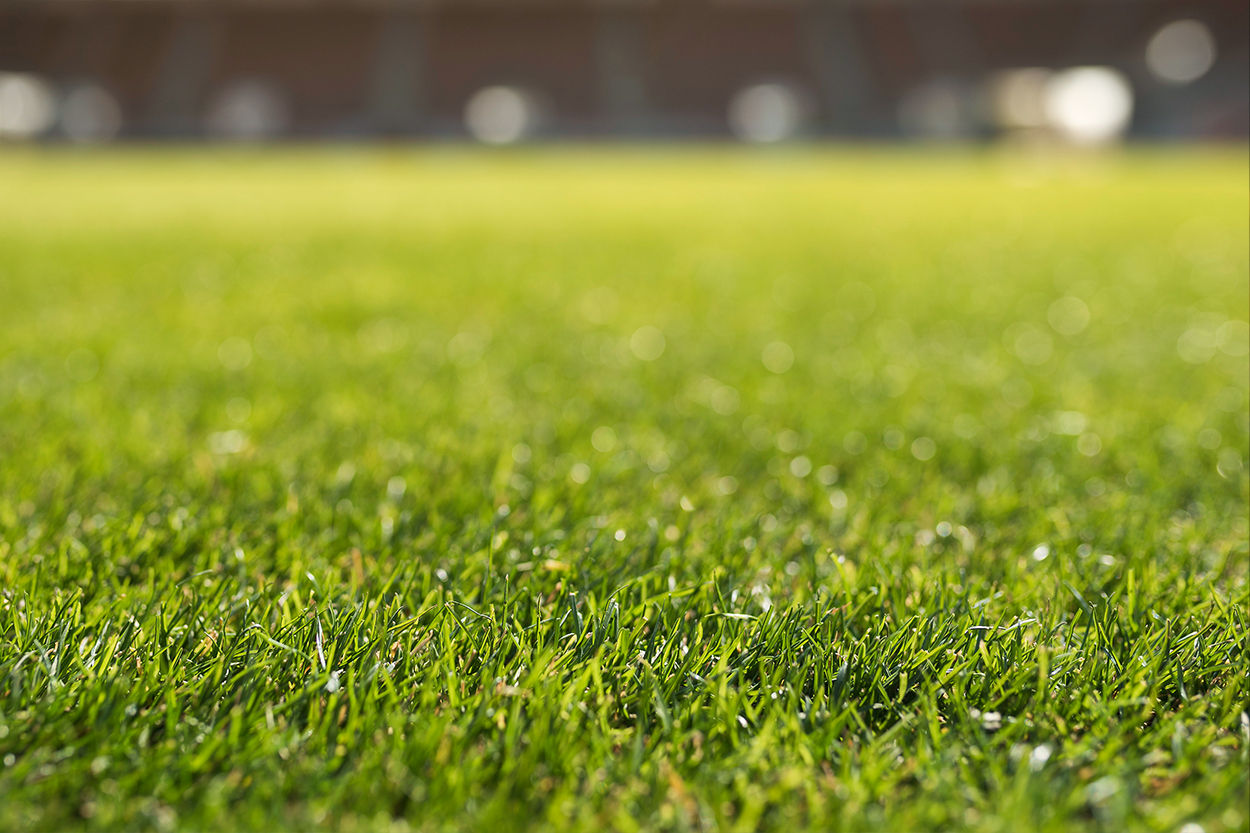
(453, 305)
(490, 297)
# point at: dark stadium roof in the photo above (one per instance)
(512, 4)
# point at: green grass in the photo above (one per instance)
(633, 490)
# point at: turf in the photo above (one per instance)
(624, 489)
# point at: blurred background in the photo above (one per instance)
(1090, 71)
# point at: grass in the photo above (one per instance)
(637, 490)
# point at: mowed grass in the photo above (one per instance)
(623, 489)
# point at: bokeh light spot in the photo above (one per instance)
(1181, 52)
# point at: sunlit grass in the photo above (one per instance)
(610, 489)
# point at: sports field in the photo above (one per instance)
(603, 489)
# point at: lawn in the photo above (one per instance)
(598, 488)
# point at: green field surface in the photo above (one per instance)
(624, 489)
